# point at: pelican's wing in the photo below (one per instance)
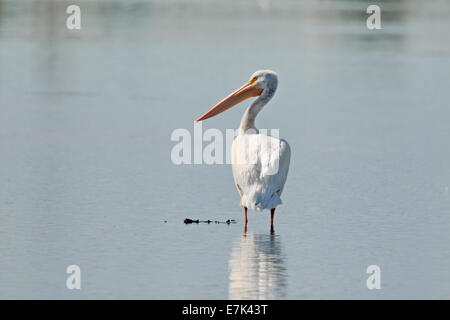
(260, 168)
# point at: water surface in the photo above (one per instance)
(87, 179)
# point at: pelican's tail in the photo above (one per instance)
(260, 203)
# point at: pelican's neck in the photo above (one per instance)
(248, 119)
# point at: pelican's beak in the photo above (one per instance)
(248, 90)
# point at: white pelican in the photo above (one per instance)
(260, 162)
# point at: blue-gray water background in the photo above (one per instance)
(86, 176)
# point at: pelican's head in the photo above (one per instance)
(261, 83)
(265, 79)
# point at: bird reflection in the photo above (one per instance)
(257, 268)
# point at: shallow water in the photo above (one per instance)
(87, 178)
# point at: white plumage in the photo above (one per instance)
(260, 168)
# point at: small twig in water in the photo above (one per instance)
(189, 221)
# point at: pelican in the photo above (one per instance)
(260, 163)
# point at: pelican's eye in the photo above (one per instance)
(253, 80)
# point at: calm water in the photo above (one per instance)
(86, 175)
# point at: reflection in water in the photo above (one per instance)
(257, 268)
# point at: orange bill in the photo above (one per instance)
(241, 94)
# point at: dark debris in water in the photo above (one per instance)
(190, 221)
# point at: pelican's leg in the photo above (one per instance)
(245, 221)
(272, 213)
(245, 215)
